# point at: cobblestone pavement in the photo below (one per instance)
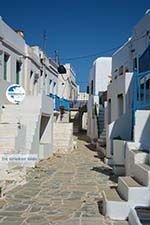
(63, 190)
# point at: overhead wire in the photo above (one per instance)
(103, 52)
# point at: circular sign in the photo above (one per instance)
(15, 93)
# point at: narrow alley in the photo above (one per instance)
(62, 190)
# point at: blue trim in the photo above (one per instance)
(60, 102)
(139, 103)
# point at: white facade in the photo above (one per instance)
(67, 87)
(38, 74)
(98, 81)
(83, 96)
(125, 61)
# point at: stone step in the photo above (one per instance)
(132, 191)
(102, 136)
(102, 139)
(21, 120)
(8, 134)
(7, 144)
(7, 140)
(141, 173)
(7, 124)
(113, 206)
(102, 143)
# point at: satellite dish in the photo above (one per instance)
(61, 69)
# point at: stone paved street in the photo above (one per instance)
(64, 190)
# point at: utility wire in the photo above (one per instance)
(91, 55)
(106, 51)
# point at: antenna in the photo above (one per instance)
(57, 57)
(44, 40)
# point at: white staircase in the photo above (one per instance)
(131, 192)
(25, 116)
(18, 135)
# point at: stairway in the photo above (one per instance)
(12, 141)
(100, 121)
(101, 128)
(102, 138)
(24, 117)
(131, 191)
(19, 125)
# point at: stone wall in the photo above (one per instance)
(63, 137)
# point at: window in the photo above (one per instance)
(31, 73)
(54, 88)
(92, 87)
(18, 70)
(6, 66)
(87, 91)
(135, 64)
(144, 61)
(121, 70)
(120, 105)
(126, 70)
(109, 111)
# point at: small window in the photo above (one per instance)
(120, 105)
(135, 64)
(126, 70)
(87, 91)
(6, 65)
(92, 87)
(31, 74)
(18, 70)
(121, 70)
(109, 111)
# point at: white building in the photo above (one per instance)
(98, 81)
(127, 60)
(128, 127)
(67, 86)
(38, 74)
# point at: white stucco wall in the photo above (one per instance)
(121, 85)
(134, 47)
(102, 73)
(67, 87)
(99, 73)
(92, 131)
(142, 128)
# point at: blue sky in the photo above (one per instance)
(75, 27)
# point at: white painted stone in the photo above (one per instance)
(133, 218)
(134, 156)
(114, 206)
(119, 152)
(133, 192)
(142, 173)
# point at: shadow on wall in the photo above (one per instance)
(43, 125)
(122, 127)
(142, 128)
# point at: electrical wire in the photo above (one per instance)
(91, 55)
(103, 52)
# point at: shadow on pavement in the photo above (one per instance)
(106, 171)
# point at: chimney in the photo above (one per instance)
(20, 33)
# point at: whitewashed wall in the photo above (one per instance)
(142, 128)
